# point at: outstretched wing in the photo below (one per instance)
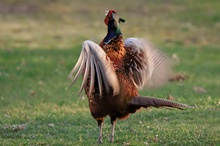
(96, 67)
(145, 64)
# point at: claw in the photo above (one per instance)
(100, 140)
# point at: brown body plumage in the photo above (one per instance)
(114, 70)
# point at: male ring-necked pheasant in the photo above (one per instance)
(114, 70)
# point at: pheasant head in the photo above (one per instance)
(112, 15)
(112, 20)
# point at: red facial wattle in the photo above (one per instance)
(109, 16)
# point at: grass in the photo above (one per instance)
(41, 41)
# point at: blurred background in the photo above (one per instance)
(40, 41)
(65, 23)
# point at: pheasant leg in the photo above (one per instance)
(113, 122)
(100, 124)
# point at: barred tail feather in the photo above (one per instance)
(155, 102)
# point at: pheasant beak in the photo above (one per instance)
(112, 14)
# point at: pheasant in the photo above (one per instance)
(114, 71)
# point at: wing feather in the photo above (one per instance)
(98, 73)
(104, 80)
(79, 61)
(92, 75)
(78, 72)
(96, 67)
(146, 64)
(86, 74)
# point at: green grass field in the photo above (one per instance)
(41, 40)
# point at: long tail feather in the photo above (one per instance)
(155, 102)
